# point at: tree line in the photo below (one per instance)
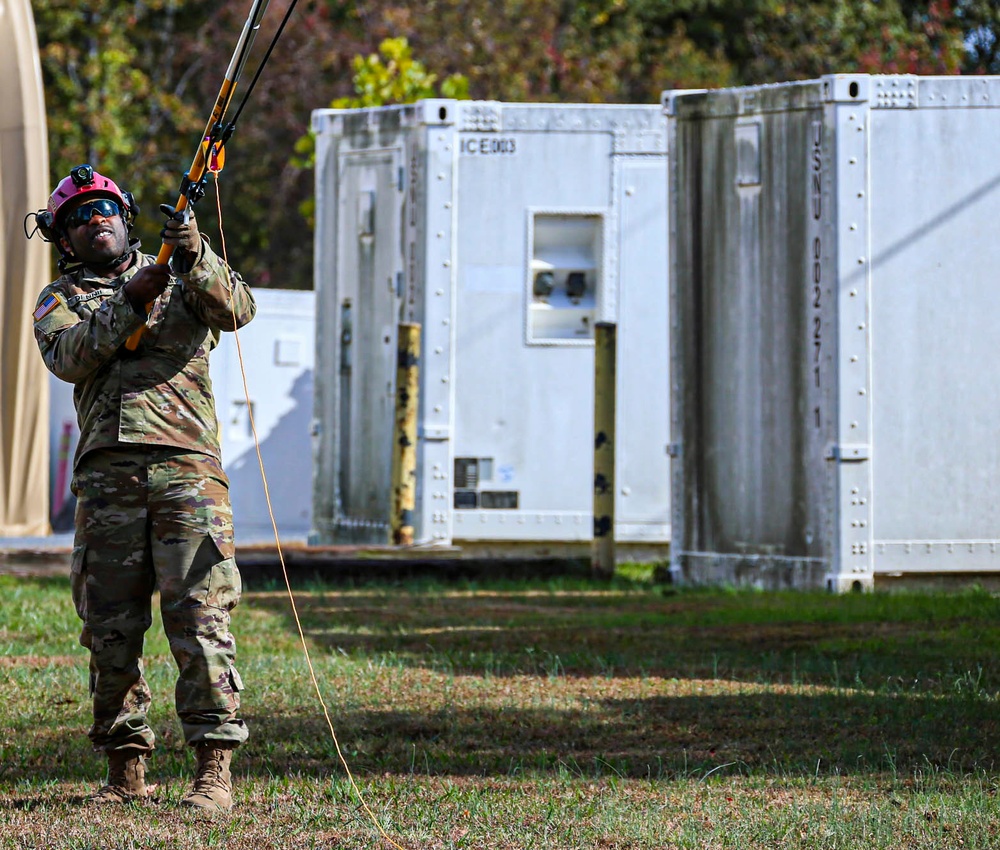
(128, 85)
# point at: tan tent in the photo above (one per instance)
(24, 397)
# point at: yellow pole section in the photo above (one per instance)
(404, 444)
(195, 173)
(605, 368)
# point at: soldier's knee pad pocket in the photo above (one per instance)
(224, 584)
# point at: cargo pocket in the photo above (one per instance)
(225, 585)
(78, 586)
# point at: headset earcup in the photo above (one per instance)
(132, 209)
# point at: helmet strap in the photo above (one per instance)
(68, 263)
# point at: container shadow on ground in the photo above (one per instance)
(659, 737)
(718, 696)
(896, 696)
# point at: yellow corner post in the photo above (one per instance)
(605, 369)
(404, 443)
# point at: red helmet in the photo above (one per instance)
(84, 181)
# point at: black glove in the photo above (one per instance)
(145, 285)
(182, 235)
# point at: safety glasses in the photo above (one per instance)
(85, 212)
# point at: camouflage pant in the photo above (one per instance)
(150, 519)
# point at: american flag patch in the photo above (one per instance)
(46, 307)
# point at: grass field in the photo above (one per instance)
(560, 714)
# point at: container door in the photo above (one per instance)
(750, 477)
(369, 267)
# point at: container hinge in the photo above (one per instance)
(434, 433)
(849, 452)
(673, 450)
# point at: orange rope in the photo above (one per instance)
(277, 541)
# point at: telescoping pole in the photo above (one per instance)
(210, 146)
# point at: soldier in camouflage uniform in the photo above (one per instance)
(153, 509)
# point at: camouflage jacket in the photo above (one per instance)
(160, 394)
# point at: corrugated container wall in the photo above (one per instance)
(834, 297)
(506, 231)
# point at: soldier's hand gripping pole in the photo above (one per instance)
(210, 146)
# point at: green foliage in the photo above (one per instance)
(390, 76)
(980, 22)
(128, 85)
(393, 76)
(104, 67)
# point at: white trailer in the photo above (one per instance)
(278, 348)
(505, 231)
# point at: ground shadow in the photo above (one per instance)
(632, 684)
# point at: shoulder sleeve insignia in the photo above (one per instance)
(47, 306)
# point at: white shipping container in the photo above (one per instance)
(506, 231)
(833, 301)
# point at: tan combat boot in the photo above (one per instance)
(213, 783)
(126, 779)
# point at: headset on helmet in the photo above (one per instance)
(82, 181)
